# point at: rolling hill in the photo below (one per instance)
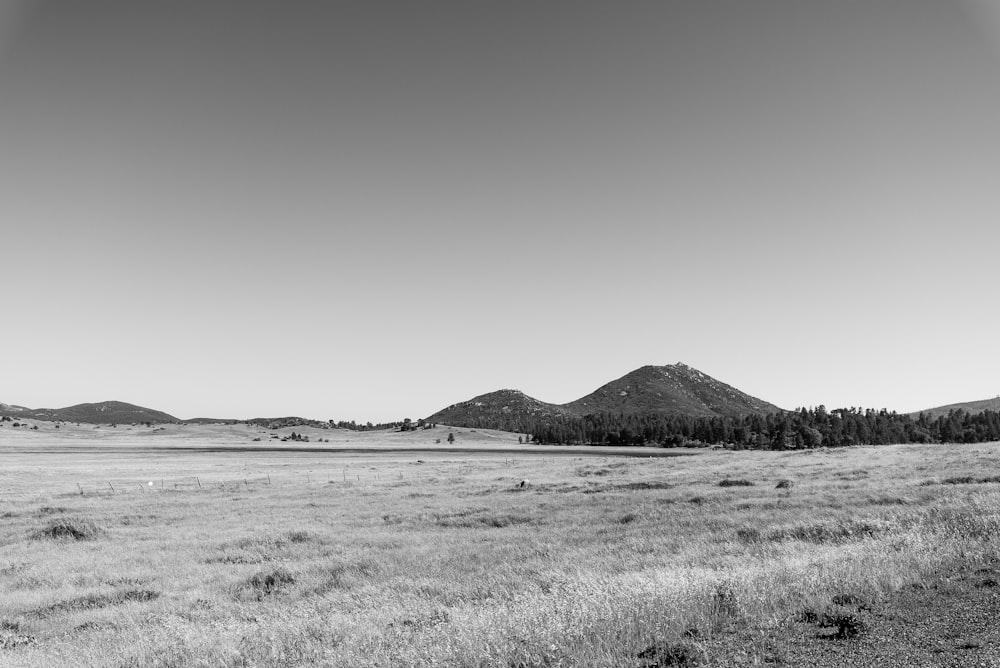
(968, 406)
(105, 412)
(673, 389)
(512, 410)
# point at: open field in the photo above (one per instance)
(395, 558)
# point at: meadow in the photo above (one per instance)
(442, 559)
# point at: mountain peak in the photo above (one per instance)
(671, 389)
(678, 389)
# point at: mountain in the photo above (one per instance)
(972, 407)
(673, 389)
(510, 410)
(106, 412)
(676, 389)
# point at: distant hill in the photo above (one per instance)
(968, 406)
(282, 422)
(510, 410)
(676, 388)
(673, 389)
(105, 412)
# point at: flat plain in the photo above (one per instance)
(195, 545)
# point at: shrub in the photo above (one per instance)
(96, 600)
(663, 654)
(847, 624)
(827, 532)
(69, 528)
(264, 584)
(729, 482)
(784, 484)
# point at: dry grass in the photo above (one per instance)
(599, 562)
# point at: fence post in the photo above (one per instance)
(199, 481)
(268, 478)
(112, 487)
(80, 488)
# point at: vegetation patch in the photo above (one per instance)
(9, 640)
(664, 654)
(969, 480)
(845, 624)
(72, 528)
(601, 470)
(890, 501)
(860, 602)
(644, 485)
(346, 575)
(731, 482)
(489, 520)
(99, 600)
(830, 532)
(263, 584)
(785, 484)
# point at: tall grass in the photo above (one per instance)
(594, 564)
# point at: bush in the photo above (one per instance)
(664, 654)
(729, 482)
(69, 528)
(847, 624)
(264, 584)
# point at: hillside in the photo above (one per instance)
(676, 389)
(105, 412)
(968, 406)
(510, 410)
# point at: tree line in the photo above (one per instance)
(802, 428)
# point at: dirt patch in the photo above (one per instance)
(947, 621)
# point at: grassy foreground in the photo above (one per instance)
(450, 562)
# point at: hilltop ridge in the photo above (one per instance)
(971, 407)
(104, 412)
(676, 389)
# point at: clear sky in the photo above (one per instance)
(370, 210)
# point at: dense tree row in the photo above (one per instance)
(368, 426)
(803, 428)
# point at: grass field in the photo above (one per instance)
(417, 559)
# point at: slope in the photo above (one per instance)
(105, 412)
(676, 389)
(509, 410)
(972, 407)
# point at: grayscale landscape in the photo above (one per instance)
(550, 334)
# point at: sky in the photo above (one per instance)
(371, 210)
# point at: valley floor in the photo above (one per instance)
(216, 557)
